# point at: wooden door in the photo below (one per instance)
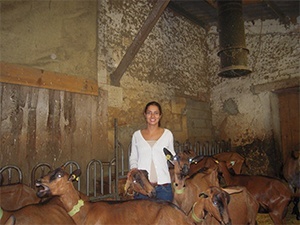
(289, 119)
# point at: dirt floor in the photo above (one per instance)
(263, 219)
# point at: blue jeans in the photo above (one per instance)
(163, 192)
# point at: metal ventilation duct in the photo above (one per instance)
(233, 52)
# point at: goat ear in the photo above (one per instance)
(203, 195)
(63, 166)
(75, 175)
(145, 172)
(233, 190)
(168, 154)
(11, 220)
(196, 159)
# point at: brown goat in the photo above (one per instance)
(15, 196)
(291, 174)
(137, 181)
(272, 194)
(212, 203)
(242, 207)
(59, 183)
(233, 160)
(186, 189)
(48, 212)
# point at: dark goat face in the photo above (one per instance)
(137, 181)
(216, 204)
(55, 182)
(184, 160)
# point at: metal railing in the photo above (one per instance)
(102, 177)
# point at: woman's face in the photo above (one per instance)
(152, 115)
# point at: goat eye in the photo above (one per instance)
(59, 175)
(215, 202)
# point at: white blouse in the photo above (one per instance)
(142, 154)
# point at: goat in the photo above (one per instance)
(59, 183)
(233, 160)
(242, 207)
(137, 181)
(272, 194)
(4, 215)
(15, 196)
(186, 188)
(291, 174)
(212, 206)
(49, 212)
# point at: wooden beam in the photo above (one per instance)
(276, 85)
(213, 3)
(143, 33)
(16, 74)
(277, 11)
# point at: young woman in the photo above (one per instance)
(147, 152)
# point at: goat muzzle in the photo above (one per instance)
(43, 189)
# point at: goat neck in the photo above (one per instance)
(59, 183)
(179, 179)
(228, 177)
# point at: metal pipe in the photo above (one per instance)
(233, 52)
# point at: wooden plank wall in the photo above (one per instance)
(53, 126)
(289, 121)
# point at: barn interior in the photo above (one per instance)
(75, 77)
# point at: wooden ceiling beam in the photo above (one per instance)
(141, 36)
(213, 3)
(282, 17)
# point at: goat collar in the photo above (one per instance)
(76, 208)
(178, 191)
(1, 213)
(195, 217)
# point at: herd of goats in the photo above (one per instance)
(207, 190)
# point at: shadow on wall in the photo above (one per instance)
(261, 157)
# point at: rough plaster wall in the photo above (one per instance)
(245, 109)
(170, 67)
(53, 35)
(274, 55)
(238, 112)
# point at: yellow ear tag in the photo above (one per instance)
(77, 178)
(168, 157)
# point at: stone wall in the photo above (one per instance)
(246, 109)
(170, 67)
(88, 39)
(177, 66)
